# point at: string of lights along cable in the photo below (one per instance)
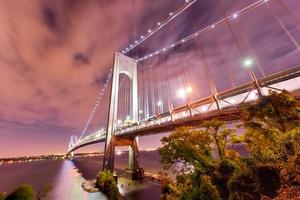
(98, 101)
(161, 24)
(172, 15)
(212, 26)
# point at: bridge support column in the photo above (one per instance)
(128, 66)
(133, 171)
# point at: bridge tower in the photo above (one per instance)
(128, 66)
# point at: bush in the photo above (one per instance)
(2, 196)
(268, 179)
(108, 185)
(24, 192)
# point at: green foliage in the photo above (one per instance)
(108, 185)
(44, 192)
(272, 135)
(220, 136)
(199, 175)
(272, 126)
(23, 192)
(186, 148)
(2, 196)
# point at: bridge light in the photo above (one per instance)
(235, 15)
(141, 112)
(159, 103)
(252, 96)
(248, 63)
(232, 101)
(189, 89)
(181, 93)
(204, 109)
(119, 121)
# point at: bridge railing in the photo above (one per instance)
(288, 80)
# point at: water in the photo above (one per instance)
(66, 176)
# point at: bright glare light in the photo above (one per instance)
(232, 101)
(248, 63)
(235, 15)
(252, 96)
(204, 109)
(159, 103)
(181, 93)
(119, 153)
(119, 121)
(189, 89)
(141, 112)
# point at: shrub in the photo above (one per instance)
(108, 185)
(23, 192)
(268, 179)
(2, 196)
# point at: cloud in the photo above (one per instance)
(55, 55)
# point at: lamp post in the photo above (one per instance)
(248, 63)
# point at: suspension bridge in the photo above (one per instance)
(204, 75)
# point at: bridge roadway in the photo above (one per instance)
(203, 109)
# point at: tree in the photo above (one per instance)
(108, 185)
(186, 149)
(272, 126)
(189, 152)
(44, 192)
(23, 192)
(2, 196)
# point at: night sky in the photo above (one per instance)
(55, 56)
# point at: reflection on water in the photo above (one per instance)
(66, 180)
(68, 185)
(61, 175)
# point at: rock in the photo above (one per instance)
(90, 186)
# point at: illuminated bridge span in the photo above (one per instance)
(202, 76)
